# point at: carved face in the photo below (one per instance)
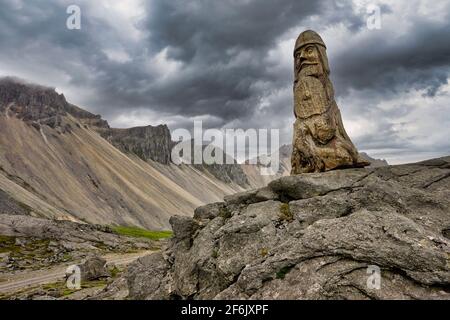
(307, 60)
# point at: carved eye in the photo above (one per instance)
(310, 51)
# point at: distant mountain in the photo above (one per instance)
(148, 143)
(285, 153)
(59, 161)
(228, 170)
(374, 163)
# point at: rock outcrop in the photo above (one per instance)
(42, 106)
(148, 143)
(374, 163)
(312, 236)
(38, 105)
(93, 268)
(54, 163)
(10, 206)
(228, 173)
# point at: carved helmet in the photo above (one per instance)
(308, 37)
(312, 37)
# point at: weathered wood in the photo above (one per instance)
(320, 142)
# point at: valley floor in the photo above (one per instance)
(43, 282)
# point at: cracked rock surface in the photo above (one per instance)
(312, 236)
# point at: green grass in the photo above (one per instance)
(225, 213)
(63, 291)
(114, 271)
(8, 244)
(264, 252)
(28, 254)
(285, 213)
(141, 233)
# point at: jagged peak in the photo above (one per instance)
(37, 104)
(22, 93)
(12, 80)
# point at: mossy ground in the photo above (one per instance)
(61, 289)
(56, 289)
(8, 244)
(141, 233)
(285, 213)
(30, 253)
(225, 213)
(264, 252)
(114, 271)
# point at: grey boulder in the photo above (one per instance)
(378, 233)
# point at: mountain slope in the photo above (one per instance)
(54, 162)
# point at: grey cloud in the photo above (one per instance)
(224, 72)
(208, 30)
(419, 59)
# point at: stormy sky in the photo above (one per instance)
(229, 63)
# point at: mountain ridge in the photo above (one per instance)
(54, 160)
(66, 162)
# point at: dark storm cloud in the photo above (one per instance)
(221, 60)
(223, 47)
(35, 35)
(419, 59)
(215, 31)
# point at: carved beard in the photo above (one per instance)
(318, 68)
(308, 70)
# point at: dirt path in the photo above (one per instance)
(14, 282)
